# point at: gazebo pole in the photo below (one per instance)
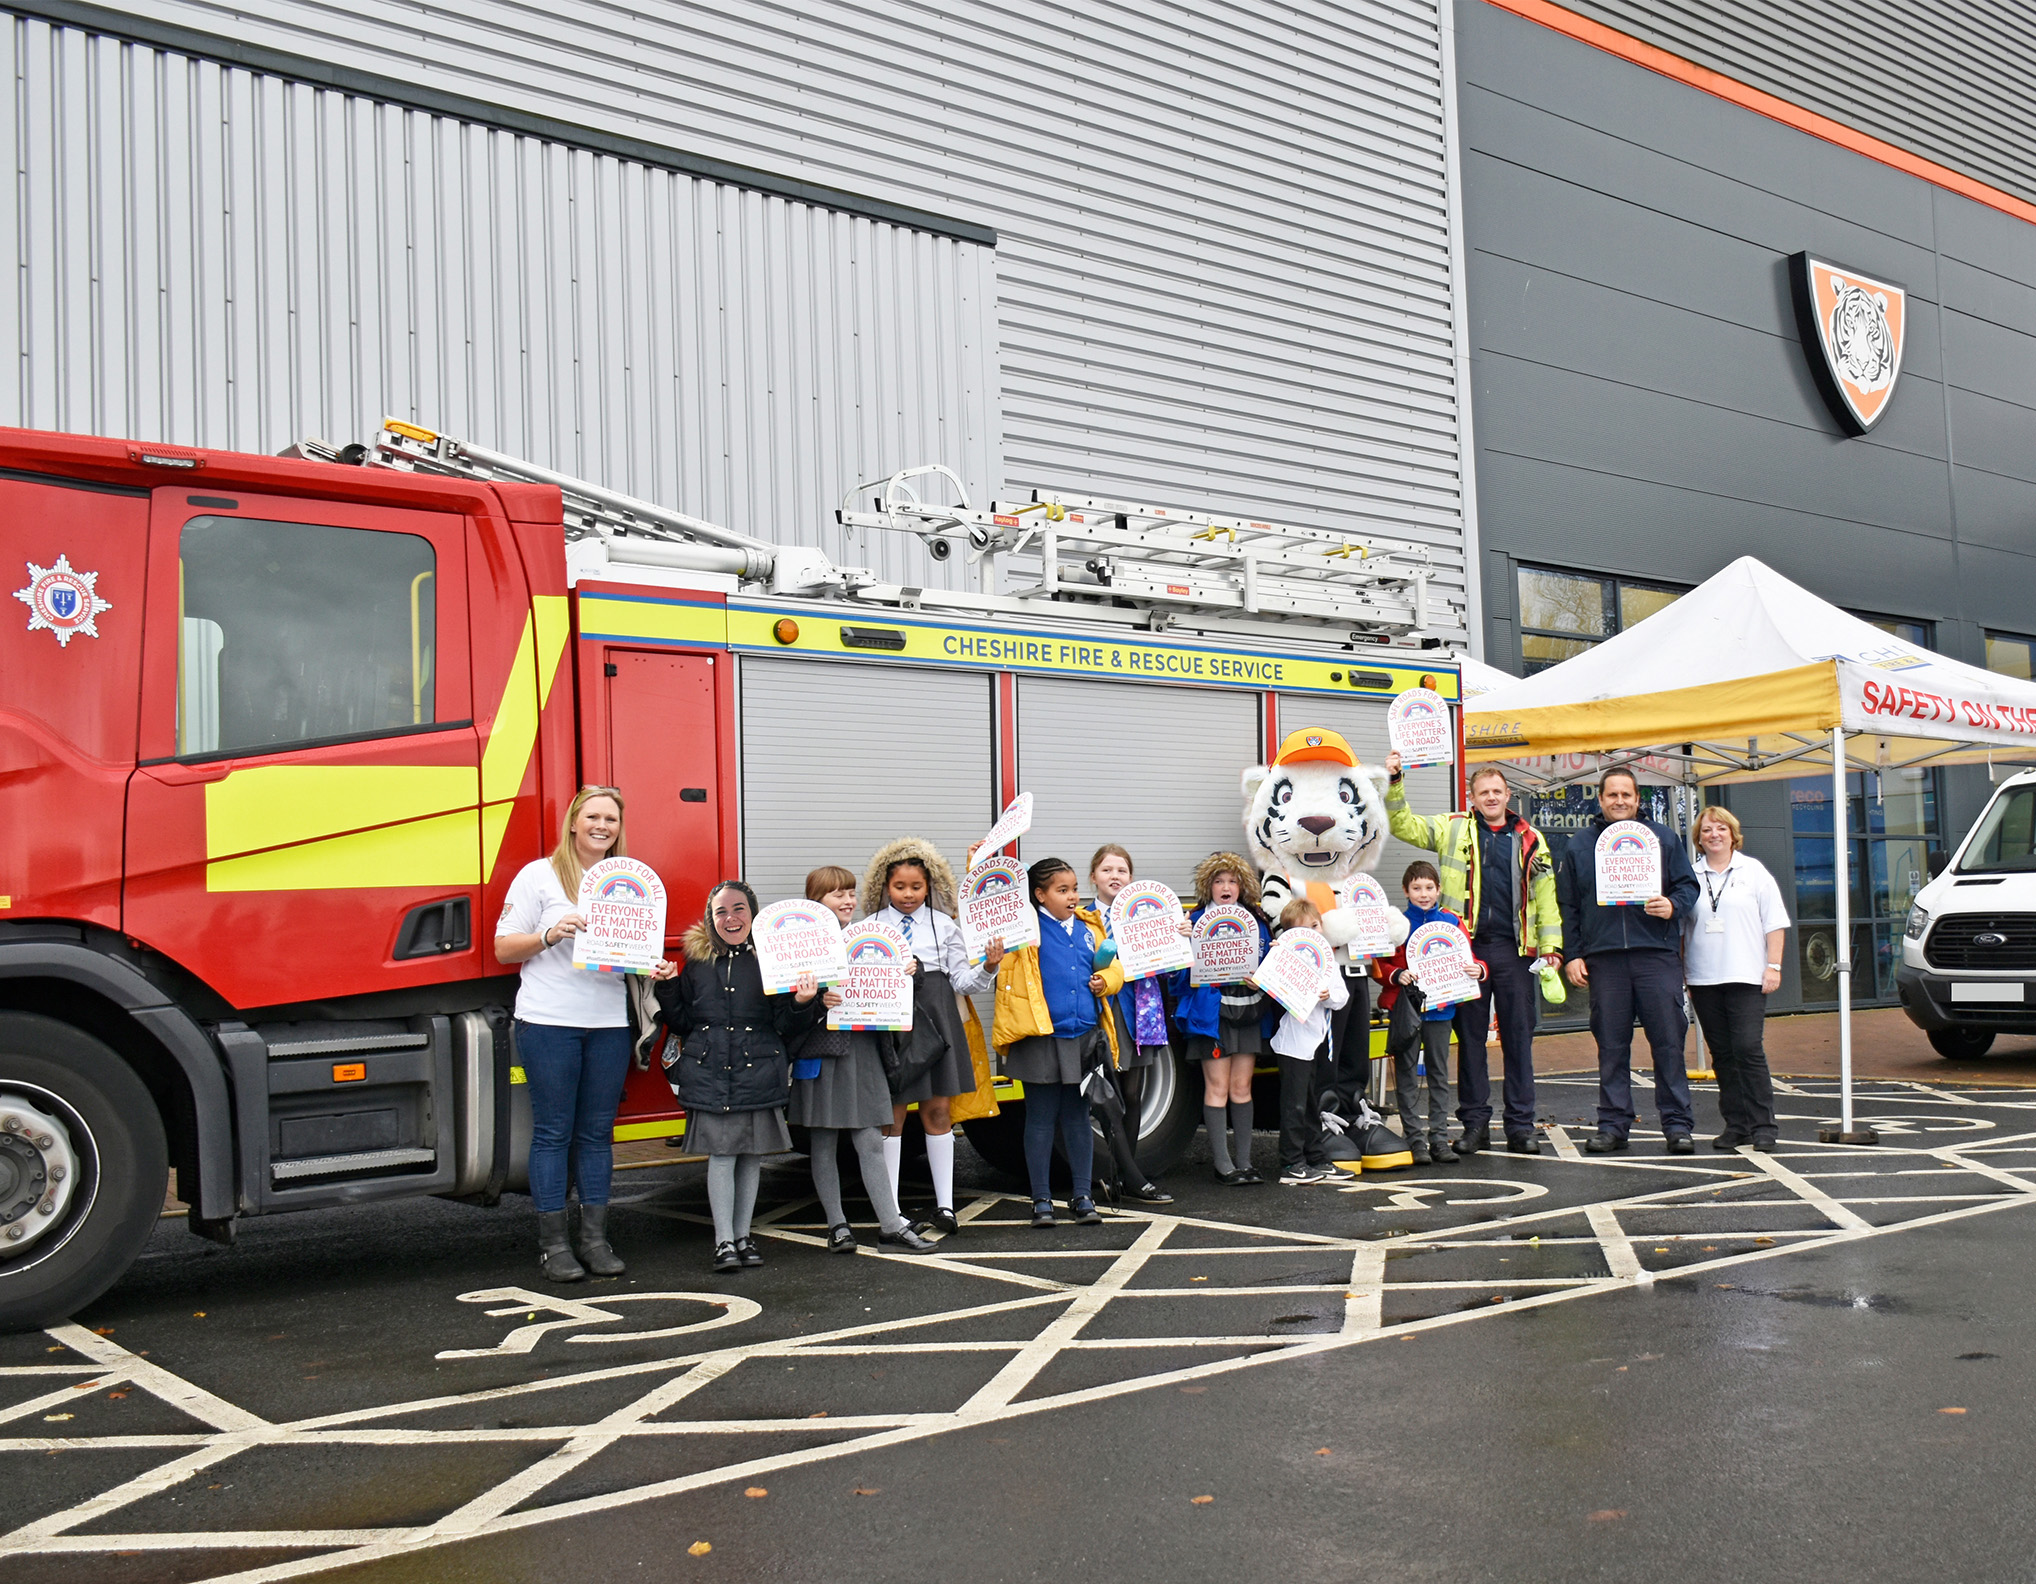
(1841, 840)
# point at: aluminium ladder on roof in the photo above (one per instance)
(1060, 554)
(1060, 545)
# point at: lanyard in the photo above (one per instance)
(1718, 895)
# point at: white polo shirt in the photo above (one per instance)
(552, 990)
(1745, 903)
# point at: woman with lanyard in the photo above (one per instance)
(572, 1037)
(1732, 962)
(1141, 1042)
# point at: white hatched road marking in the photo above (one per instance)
(1066, 1308)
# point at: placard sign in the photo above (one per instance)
(795, 938)
(623, 902)
(876, 990)
(1014, 822)
(995, 905)
(1145, 922)
(1419, 728)
(1629, 864)
(1368, 900)
(1439, 957)
(1297, 968)
(1225, 944)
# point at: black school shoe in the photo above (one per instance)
(1730, 1140)
(1473, 1140)
(1042, 1213)
(911, 1242)
(1085, 1212)
(1250, 1179)
(1417, 1146)
(942, 1221)
(1766, 1143)
(1602, 1143)
(747, 1252)
(725, 1257)
(1525, 1144)
(1149, 1193)
(841, 1238)
(1681, 1144)
(1441, 1153)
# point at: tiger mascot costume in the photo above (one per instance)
(1314, 820)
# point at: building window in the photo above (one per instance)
(1917, 633)
(1892, 823)
(1564, 613)
(2012, 656)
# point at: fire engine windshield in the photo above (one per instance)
(295, 633)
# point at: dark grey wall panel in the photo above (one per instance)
(1954, 82)
(1642, 400)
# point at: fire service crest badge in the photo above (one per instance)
(1853, 327)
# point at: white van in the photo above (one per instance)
(1969, 953)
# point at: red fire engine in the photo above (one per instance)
(276, 734)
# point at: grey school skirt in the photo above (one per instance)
(737, 1132)
(851, 1091)
(1053, 1058)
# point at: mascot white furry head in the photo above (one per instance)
(1314, 819)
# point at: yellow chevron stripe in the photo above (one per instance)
(444, 851)
(276, 805)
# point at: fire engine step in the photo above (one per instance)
(280, 1049)
(337, 1165)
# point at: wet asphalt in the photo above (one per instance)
(1740, 1371)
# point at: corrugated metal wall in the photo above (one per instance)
(1955, 83)
(1223, 273)
(224, 258)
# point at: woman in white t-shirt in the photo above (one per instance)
(1732, 959)
(572, 1037)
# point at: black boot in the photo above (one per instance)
(554, 1252)
(592, 1243)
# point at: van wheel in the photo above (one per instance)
(83, 1165)
(1173, 1110)
(1000, 1139)
(1961, 1044)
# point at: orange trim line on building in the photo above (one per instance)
(1613, 42)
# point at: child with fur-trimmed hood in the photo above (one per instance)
(1226, 1024)
(910, 886)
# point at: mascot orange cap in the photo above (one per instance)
(1314, 743)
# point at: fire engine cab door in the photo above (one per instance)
(305, 822)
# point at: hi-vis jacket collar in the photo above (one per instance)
(1314, 743)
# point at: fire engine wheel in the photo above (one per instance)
(82, 1168)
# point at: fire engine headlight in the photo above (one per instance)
(1919, 921)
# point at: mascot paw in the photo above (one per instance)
(1339, 925)
(1401, 928)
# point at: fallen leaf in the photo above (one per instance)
(869, 1490)
(57, 1349)
(698, 1548)
(1406, 1339)
(196, 1314)
(1498, 1300)
(1321, 1451)
(1198, 1278)
(55, 1418)
(1764, 1242)
(1661, 1251)
(1606, 1515)
(1951, 1410)
(1201, 1501)
(822, 1414)
(755, 1491)
(1621, 1370)
(1722, 1286)
(115, 1396)
(102, 1331)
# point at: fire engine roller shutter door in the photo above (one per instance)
(1155, 769)
(839, 757)
(1362, 723)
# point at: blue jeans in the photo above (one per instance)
(1062, 1107)
(575, 1077)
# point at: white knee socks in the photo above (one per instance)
(940, 1162)
(894, 1157)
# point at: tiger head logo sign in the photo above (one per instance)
(1853, 328)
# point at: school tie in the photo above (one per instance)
(905, 924)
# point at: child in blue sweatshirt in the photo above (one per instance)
(1430, 1046)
